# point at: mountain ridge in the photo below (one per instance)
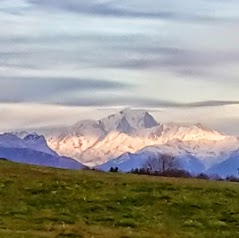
(119, 137)
(95, 143)
(33, 149)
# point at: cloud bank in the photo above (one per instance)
(110, 53)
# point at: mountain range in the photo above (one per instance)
(33, 149)
(126, 140)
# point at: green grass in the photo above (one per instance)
(47, 203)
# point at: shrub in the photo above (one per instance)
(203, 176)
(3, 159)
(232, 179)
(114, 170)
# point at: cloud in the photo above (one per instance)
(136, 53)
(14, 7)
(82, 92)
(131, 52)
(116, 47)
(35, 116)
(52, 90)
(189, 105)
(207, 104)
(192, 11)
(153, 103)
(107, 100)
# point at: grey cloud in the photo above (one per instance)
(211, 103)
(49, 90)
(202, 58)
(84, 92)
(180, 61)
(179, 58)
(131, 51)
(110, 8)
(94, 50)
(17, 8)
(199, 63)
(109, 50)
(114, 53)
(111, 101)
(158, 103)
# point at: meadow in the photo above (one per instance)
(52, 203)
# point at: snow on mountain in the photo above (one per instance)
(209, 152)
(171, 131)
(38, 143)
(192, 156)
(96, 142)
(87, 128)
(126, 140)
(73, 141)
(113, 145)
(116, 144)
(128, 121)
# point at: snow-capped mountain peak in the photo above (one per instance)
(87, 127)
(38, 143)
(20, 134)
(33, 137)
(128, 121)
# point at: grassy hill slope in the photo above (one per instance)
(44, 202)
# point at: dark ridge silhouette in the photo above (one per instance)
(3, 159)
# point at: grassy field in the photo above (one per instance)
(43, 202)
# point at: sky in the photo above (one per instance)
(63, 61)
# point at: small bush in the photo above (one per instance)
(177, 173)
(3, 159)
(114, 170)
(203, 176)
(232, 179)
